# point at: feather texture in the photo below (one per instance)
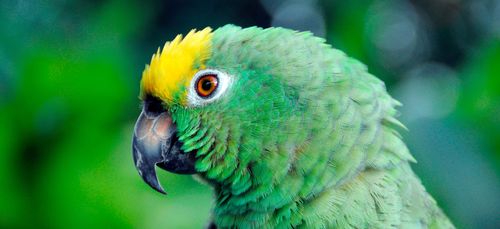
(305, 137)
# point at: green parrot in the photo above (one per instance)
(289, 132)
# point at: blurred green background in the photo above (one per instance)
(69, 74)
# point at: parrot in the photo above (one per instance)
(288, 131)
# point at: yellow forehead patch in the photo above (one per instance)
(173, 68)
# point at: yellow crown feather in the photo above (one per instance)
(173, 68)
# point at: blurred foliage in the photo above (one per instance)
(69, 73)
(480, 100)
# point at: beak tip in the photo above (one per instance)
(160, 190)
(151, 179)
(147, 171)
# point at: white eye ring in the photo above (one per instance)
(223, 82)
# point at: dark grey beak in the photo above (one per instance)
(155, 143)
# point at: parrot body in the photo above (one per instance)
(302, 136)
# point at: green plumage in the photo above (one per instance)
(305, 137)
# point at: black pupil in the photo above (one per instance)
(206, 84)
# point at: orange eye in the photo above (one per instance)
(206, 85)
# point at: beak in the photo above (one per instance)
(155, 143)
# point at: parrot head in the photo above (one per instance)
(288, 131)
(210, 105)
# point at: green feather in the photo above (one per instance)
(304, 137)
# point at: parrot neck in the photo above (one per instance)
(278, 203)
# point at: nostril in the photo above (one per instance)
(153, 106)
